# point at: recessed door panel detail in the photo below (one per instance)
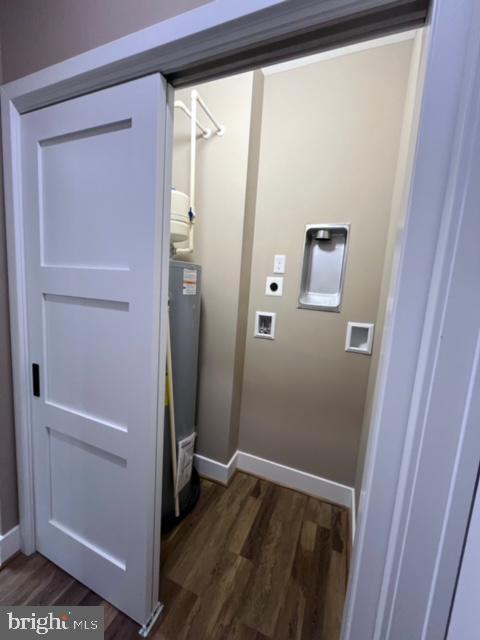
(88, 486)
(86, 351)
(84, 205)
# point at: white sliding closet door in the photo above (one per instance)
(93, 176)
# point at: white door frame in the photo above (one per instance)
(219, 29)
(419, 483)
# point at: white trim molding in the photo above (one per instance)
(295, 479)
(220, 37)
(214, 470)
(9, 544)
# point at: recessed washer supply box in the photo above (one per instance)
(323, 271)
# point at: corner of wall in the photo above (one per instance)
(247, 253)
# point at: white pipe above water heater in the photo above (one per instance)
(178, 210)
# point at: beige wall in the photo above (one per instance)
(35, 34)
(328, 153)
(222, 164)
(400, 191)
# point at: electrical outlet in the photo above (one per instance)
(274, 286)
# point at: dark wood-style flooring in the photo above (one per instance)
(252, 561)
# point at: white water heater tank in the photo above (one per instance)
(179, 218)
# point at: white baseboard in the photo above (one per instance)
(278, 473)
(9, 544)
(214, 470)
(296, 479)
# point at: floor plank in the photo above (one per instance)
(313, 580)
(175, 618)
(53, 583)
(319, 512)
(253, 561)
(196, 564)
(271, 548)
(291, 619)
(335, 595)
(72, 596)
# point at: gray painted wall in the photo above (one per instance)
(34, 35)
(328, 153)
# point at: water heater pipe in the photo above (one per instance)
(220, 128)
(193, 156)
(206, 133)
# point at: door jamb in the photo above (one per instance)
(443, 168)
(12, 172)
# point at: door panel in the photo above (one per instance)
(93, 187)
(76, 224)
(84, 335)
